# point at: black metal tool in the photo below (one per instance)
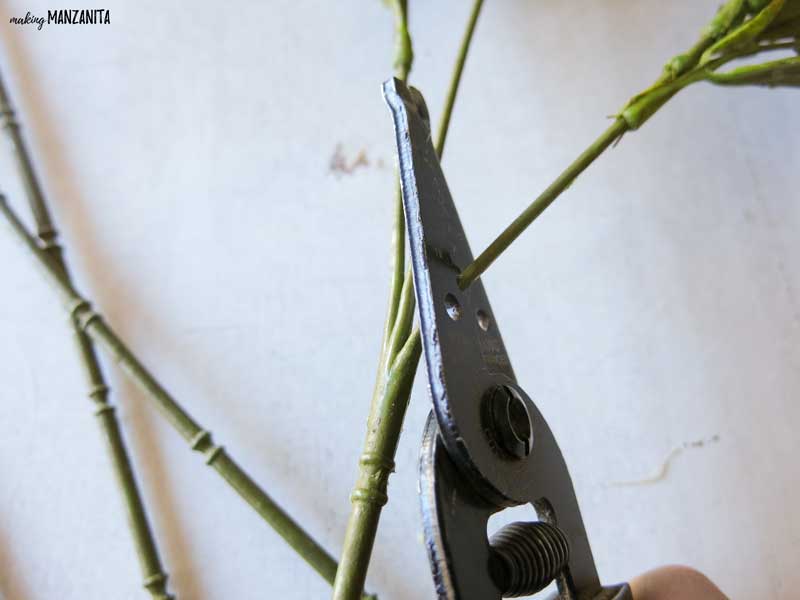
(486, 445)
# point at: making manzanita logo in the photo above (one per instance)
(66, 16)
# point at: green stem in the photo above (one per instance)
(680, 72)
(455, 81)
(155, 578)
(367, 498)
(512, 232)
(404, 58)
(405, 316)
(375, 465)
(198, 438)
(397, 367)
(398, 249)
(404, 50)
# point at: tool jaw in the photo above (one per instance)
(487, 446)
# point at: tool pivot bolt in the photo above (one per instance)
(509, 423)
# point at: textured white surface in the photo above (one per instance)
(185, 150)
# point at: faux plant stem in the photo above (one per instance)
(375, 466)
(397, 365)
(444, 123)
(199, 439)
(155, 578)
(377, 461)
(739, 29)
(404, 58)
(529, 215)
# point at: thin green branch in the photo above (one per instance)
(545, 199)
(404, 58)
(412, 347)
(783, 72)
(455, 81)
(377, 460)
(404, 50)
(738, 30)
(199, 439)
(155, 577)
(405, 316)
(398, 251)
(397, 367)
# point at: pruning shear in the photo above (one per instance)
(486, 446)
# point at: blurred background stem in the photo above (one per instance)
(199, 439)
(155, 578)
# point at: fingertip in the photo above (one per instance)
(675, 582)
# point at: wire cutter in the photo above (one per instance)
(486, 446)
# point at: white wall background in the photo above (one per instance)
(185, 149)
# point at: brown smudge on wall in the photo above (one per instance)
(339, 164)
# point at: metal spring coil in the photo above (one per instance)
(526, 557)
